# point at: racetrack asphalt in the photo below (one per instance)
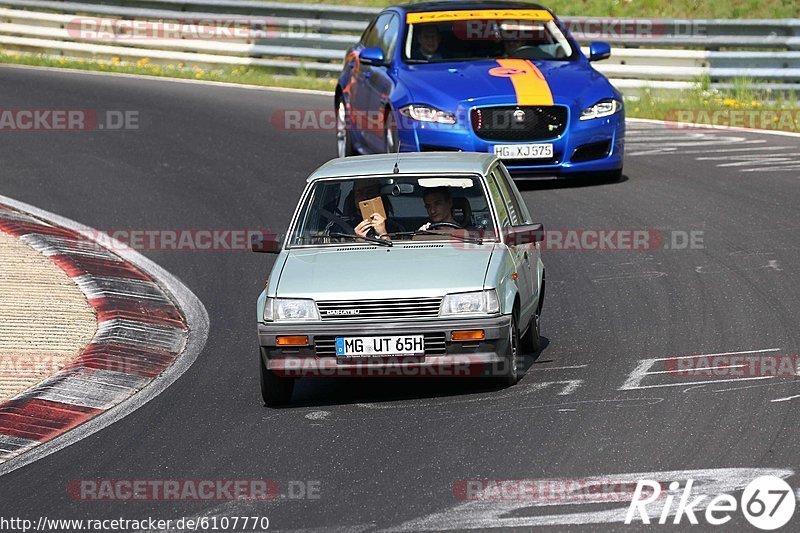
(387, 453)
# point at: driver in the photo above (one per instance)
(439, 205)
(428, 41)
(512, 45)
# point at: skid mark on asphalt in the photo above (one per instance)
(520, 389)
(772, 264)
(569, 386)
(500, 415)
(645, 276)
(719, 147)
(524, 387)
(757, 386)
(644, 371)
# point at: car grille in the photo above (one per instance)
(384, 309)
(434, 344)
(500, 123)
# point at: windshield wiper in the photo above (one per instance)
(370, 239)
(475, 240)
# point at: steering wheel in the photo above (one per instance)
(336, 220)
(436, 225)
(525, 51)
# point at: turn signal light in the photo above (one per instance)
(468, 335)
(292, 340)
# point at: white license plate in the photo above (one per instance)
(380, 346)
(523, 151)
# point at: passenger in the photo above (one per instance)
(375, 225)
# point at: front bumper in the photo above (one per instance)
(443, 357)
(567, 148)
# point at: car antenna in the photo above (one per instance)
(396, 169)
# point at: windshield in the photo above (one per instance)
(390, 210)
(524, 34)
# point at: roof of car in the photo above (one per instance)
(407, 163)
(448, 5)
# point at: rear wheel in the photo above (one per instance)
(344, 144)
(275, 390)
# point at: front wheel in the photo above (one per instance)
(610, 176)
(275, 390)
(344, 144)
(531, 340)
(506, 373)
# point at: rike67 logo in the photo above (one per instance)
(767, 502)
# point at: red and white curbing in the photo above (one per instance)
(141, 331)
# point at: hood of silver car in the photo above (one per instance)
(377, 272)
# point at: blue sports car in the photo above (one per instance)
(499, 77)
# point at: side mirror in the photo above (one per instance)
(266, 243)
(371, 56)
(599, 50)
(526, 234)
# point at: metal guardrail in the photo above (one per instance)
(313, 37)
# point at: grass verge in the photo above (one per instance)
(740, 106)
(239, 74)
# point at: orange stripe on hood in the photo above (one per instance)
(529, 82)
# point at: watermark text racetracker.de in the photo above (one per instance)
(41, 119)
(732, 366)
(584, 28)
(207, 28)
(233, 240)
(180, 240)
(612, 239)
(30, 365)
(760, 119)
(554, 491)
(192, 489)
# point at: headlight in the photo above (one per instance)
(470, 303)
(606, 108)
(426, 113)
(280, 309)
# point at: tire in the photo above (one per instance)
(506, 373)
(390, 133)
(531, 341)
(610, 176)
(275, 390)
(344, 143)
